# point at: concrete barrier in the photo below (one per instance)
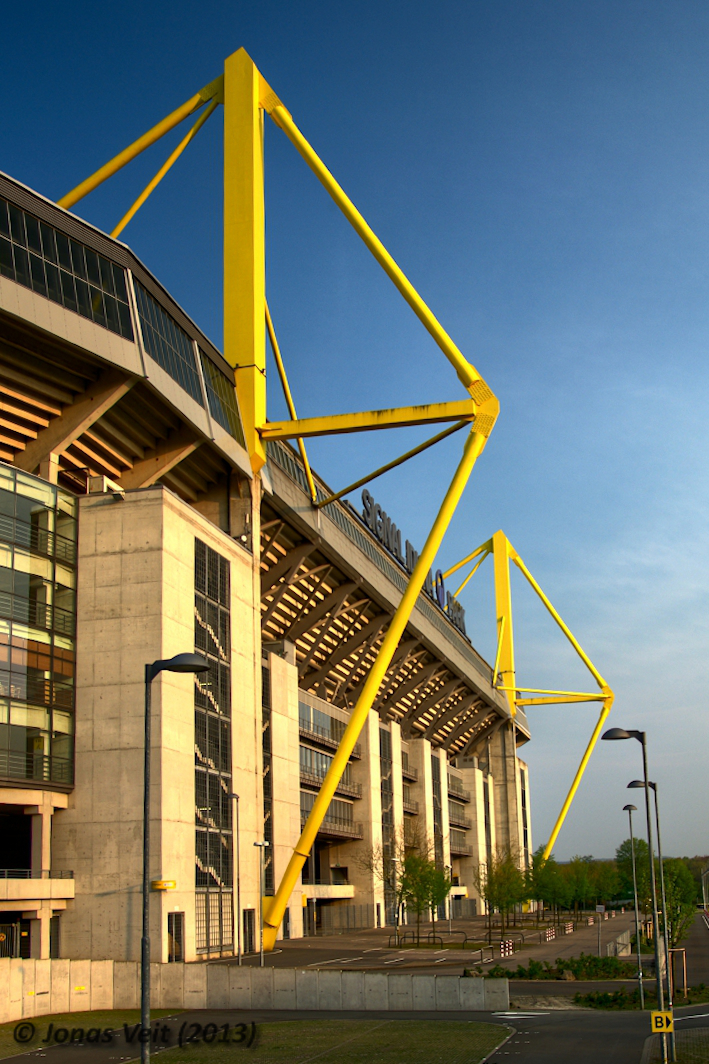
(30, 988)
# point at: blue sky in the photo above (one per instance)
(540, 171)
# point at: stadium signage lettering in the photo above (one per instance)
(379, 522)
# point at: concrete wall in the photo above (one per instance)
(135, 605)
(39, 988)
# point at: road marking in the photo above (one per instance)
(521, 1015)
(440, 951)
(374, 949)
(348, 960)
(696, 1016)
(334, 960)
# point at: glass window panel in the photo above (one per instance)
(106, 275)
(7, 268)
(68, 293)
(112, 313)
(63, 252)
(49, 249)
(54, 290)
(22, 266)
(62, 722)
(83, 298)
(4, 221)
(32, 227)
(97, 306)
(92, 267)
(77, 259)
(17, 224)
(119, 283)
(37, 270)
(29, 716)
(125, 326)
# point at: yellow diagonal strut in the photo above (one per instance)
(503, 552)
(275, 909)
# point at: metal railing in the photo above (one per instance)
(38, 540)
(337, 826)
(461, 849)
(326, 738)
(22, 766)
(455, 790)
(31, 873)
(410, 806)
(37, 614)
(410, 773)
(314, 779)
(459, 820)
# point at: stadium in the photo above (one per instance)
(140, 517)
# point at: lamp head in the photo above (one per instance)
(180, 663)
(630, 808)
(623, 733)
(636, 783)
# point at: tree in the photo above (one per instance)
(439, 885)
(544, 881)
(500, 882)
(414, 886)
(579, 877)
(624, 863)
(680, 894)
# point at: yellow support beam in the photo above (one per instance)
(209, 92)
(244, 246)
(366, 420)
(470, 575)
(274, 913)
(467, 374)
(171, 159)
(505, 666)
(289, 402)
(503, 553)
(392, 465)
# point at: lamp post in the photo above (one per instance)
(665, 927)
(621, 733)
(394, 862)
(236, 916)
(180, 663)
(450, 901)
(630, 809)
(262, 853)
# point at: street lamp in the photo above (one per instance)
(236, 917)
(622, 733)
(262, 847)
(630, 809)
(180, 663)
(395, 861)
(665, 928)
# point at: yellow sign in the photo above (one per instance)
(662, 1022)
(163, 884)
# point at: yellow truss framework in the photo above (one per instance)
(504, 677)
(247, 98)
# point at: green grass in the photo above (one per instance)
(9, 1047)
(355, 1042)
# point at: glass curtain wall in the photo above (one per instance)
(213, 782)
(37, 629)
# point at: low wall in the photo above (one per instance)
(38, 988)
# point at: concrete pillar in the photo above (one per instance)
(445, 820)
(505, 768)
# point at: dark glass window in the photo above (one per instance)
(168, 344)
(30, 252)
(213, 781)
(221, 396)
